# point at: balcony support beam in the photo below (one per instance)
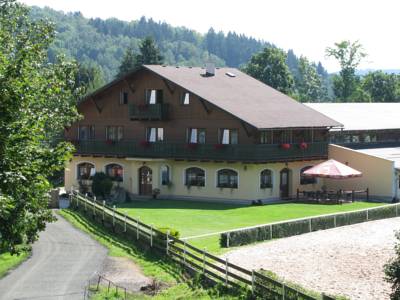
(99, 109)
(203, 103)
(130, 86)
(246, 129)
(169, 86)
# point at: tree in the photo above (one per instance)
(37, 100)
(392, 271)
(89, 78)
(309, 84)
(349, 56)
(149, 53)
(129, 62)
(269, 66)
(102, 185)
(382, 87)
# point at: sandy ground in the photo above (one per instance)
(125, 273)
(342, 261)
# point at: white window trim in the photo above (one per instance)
(169, 175)
(83, 162)
(216, 178)
(272, 179)
(116, 163)
(193, 166)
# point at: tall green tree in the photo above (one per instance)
(269, 66)
(37, 99)
(382, 87)
(89, 78)
(349, 55)
(149, 54)
(128, 63)
(309, 83)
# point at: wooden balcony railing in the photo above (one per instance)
(157, 111)
(172, 150)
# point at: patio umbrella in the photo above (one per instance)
(332, 169)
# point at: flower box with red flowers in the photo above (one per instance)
(145, 144)
(191, 146)
(110, 142)
(285, 146)
(219, 146)
(303, 145)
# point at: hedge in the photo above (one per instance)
(285, 229)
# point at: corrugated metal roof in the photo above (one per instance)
(392, 154)
(245, 97)
(362, 116)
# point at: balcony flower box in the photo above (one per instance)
(285, 146)
(145, 144)
(219, 146)
(191, 146)
(303, 146)
(110, 142)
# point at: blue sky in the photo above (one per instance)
(307, 26)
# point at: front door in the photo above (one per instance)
(145, 181)
(284, 183)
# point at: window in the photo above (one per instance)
(282, 136)
(228, 136)
(185, 98)
(194, 177)
(114, 133)
(85, 170)
(123, 97)
(86, 132)
(266, 137)
(196, 135)
(154, 96)
(266, 179)
(300, 136)
(306, 179)
(227, 178)
(115, 171)
(165, 175)
(155, 134)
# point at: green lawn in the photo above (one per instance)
(8, 261)
(197, 218)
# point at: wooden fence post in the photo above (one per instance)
(283, 291)
(227, 239)
(137, 228)
(184, 252)
(270, 231)
(125, 223)
(367, 215)
(167, 241)
(85, 201)
(94, 206)
(309, 224)
(104, 208)
(334, 221)
(151, 235)
(397, 205)
(252, 282)
(113, 217)
(204, 261)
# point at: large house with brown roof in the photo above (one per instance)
(195, 133)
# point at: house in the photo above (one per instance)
(368, 141)
(195, 133)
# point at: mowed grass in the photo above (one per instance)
(198, 218)
(8, 261)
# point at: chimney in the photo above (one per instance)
(210, 69)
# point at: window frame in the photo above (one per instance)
(123, 97)
(118, 133)
(158, 131)
(221, 133)
(183, 98)
(305, 180)
(115, 178)
(199, 131)
(266, 185)
(159, 96)
(91, 132)
(228, 185)
(168, 181)
(198, 182)
(78, 173)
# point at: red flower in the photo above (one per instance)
(191, 146)
(219, 146)
(145, 144)
(285, 146)
(303, 145)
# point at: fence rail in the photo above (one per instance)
(188, 256)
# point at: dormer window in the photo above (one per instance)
(123, 97)
(185, 98)
(228, 136)
(154, 96)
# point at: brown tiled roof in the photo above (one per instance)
(244, 97)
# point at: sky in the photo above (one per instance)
(306, 26)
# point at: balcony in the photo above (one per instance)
(204, 152)
(156, 112)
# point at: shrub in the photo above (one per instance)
(322, 223)
(102, 185)
(382, 213)
(172, 232)
(392, 271)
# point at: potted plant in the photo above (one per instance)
(303, 145)
(285, 146)
(155, 193)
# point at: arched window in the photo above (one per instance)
(227, 178)
(85, 170)
(266, 179)
(115, 171)
(165, 175)
(306, 179)
(195, 177)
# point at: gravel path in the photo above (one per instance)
(342, 261)
(62, 262)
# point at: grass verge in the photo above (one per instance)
(9, 262)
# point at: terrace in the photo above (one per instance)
(157, 111)
(176, 150)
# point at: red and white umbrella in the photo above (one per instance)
(332, 169)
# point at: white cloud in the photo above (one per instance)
(307, 26)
